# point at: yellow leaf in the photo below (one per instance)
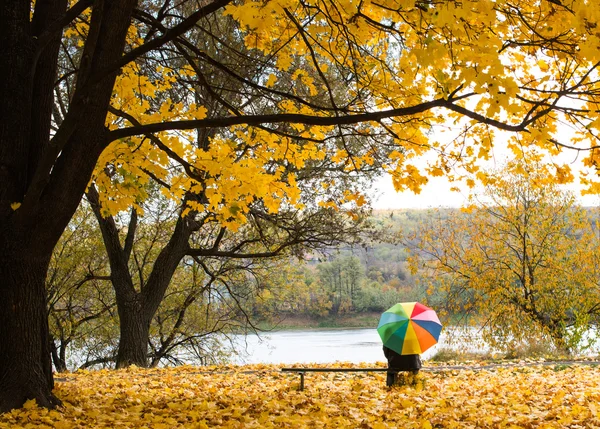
(30, 404)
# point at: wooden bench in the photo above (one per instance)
(303, 371)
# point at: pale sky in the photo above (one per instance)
(437, 194)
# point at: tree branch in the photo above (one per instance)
(297, 118)
(47, 35)
(130, 234)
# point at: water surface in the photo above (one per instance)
(318, 346)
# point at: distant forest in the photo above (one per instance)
(364, 278)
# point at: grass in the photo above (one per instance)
(445, 355)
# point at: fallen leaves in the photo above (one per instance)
(260, 396)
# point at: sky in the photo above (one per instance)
(437, 194)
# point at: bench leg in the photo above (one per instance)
(301, 381)
(391, 379)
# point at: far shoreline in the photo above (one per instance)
(298, 323)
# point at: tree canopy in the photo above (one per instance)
(345, 86)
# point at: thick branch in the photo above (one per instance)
(130, 234)
(119, 270)
(235, 255)
(298, 118)
(62, 22)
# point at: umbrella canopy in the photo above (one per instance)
(409, 328)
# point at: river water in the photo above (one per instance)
(331, 345)
(317, 346)
(347, 345)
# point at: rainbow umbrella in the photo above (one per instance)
(409, 328)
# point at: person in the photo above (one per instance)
(398, 362)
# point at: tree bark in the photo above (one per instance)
(25, 364)
(134, 328)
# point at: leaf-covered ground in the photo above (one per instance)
(261, 396)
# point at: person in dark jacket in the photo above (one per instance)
(398, 362)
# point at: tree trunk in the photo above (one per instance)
(58, 355)
(137, 308)
(134, 326)
(557, 333)
(41, 183)
(25, 363)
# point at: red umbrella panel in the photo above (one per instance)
(409, 328)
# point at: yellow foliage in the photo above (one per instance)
(260, 396)
(501, 63)
(522, 258)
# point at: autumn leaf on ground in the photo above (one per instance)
(261, 396)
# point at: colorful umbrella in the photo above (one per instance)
(409, 328)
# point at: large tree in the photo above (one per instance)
(403, 66)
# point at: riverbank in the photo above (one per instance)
(346, 321)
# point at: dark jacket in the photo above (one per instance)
(400, 362)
